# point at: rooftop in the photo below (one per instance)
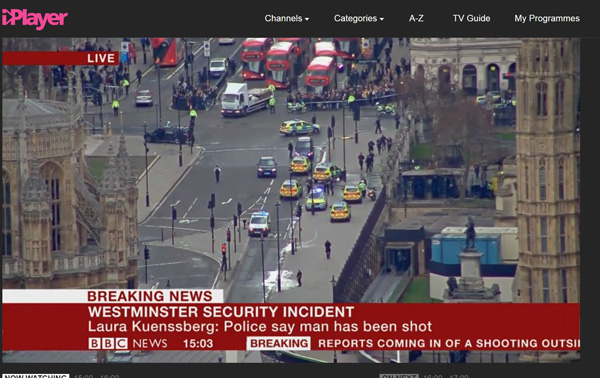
(32, 107)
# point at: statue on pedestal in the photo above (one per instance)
(471, 234)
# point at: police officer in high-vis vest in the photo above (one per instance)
(115, 106)
(272, 105)
(272, 88)
(126, 86)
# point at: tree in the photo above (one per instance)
(467, 126)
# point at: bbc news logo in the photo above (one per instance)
(11, 16)
(108, 343)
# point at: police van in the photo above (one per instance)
(260, 224)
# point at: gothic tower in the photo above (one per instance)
(113, 238)
(548, 160)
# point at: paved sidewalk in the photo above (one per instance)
(163, 174)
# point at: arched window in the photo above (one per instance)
(7, 245)
(525, 101)
(51, 174)
(561, 180)
(542, 181)
(542, 99)
(559, 98)
(526, 182)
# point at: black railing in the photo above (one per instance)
(343, 291)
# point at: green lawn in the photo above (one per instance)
(507, 136)
(98, 163)
(421, 151)
(418, 292)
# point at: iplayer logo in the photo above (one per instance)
(11, 16)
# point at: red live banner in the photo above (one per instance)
(89, 326)
(60, 58)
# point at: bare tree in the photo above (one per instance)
(28, 73)
(468, 126)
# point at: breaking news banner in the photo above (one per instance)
(60, 58)
(199, 320)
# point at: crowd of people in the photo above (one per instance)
(199, 96)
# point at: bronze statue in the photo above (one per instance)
(471, 234)
(452, 285)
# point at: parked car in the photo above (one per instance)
(218, 67)
(226, 41)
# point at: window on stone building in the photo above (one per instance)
(546, 285)
(563, 234)
(525, 98)
(544, 234)
(527, 229)
(559, 98)
(52, 177)
(530, 285)
(578, 177)
(561, 180)
(564, 285)
(542, 99)
(6, 217)
(526, 182)
(542, 180)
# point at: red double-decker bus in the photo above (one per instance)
(328, 49)
(281, 59)
(168, 52)
(302, 50)
(347, 48)
(321, 75)
(254, 56)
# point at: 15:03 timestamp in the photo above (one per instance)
(198, 343)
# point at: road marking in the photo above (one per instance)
(226, 202)
(188, 221)
(190, 208)
(245, 149)
(176, 228)
(267, 191)
(169, 263)
(184, 215)
(195, 199)
(271, 183)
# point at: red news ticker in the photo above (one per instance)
(60, 58)
(365, 326)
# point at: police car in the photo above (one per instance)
(296, 127)
(316, 198)
(340, 211)
(260, 224)
(352, 194)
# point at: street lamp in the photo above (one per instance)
(156, 107)
(187, 72)
(333, 282)
(262, 253)
(344, 137)
(192, 44)
(292, 215)
(312, 192)
(157, 64)
(277, 205)
(146, 154)
(168, 285)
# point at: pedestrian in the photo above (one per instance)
(332, 121)
(217, 173)
(397, 118)
(115, 106)
(389, 143)
(232, 64)
(109, 45)
(361, 160)
(379, 146)
(369, 161)
(371, 146)
(378, 125)
(331, 185)
(313, 120)
(326, 187)
(138, 74)
(391, 43)
(193, 114)
(328, 249)
(308, 186)
(272, 105)
(398, 70)
(299, 277)
(291, 149)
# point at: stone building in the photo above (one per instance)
(473, 65)
(548, 161)
(60, 228)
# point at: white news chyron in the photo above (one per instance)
(111, 296)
